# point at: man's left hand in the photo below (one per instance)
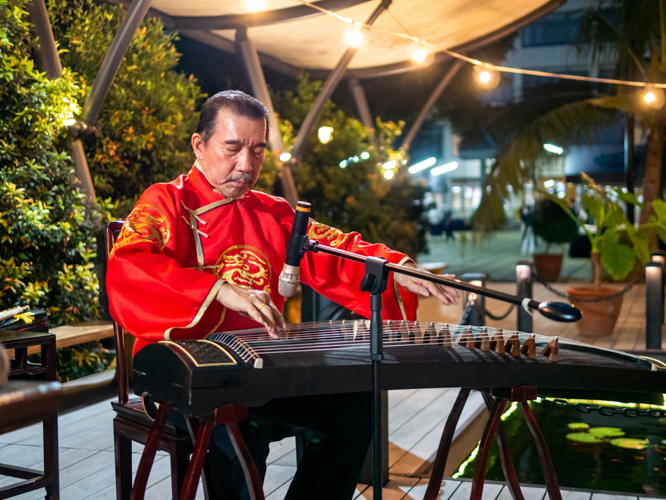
(446, 295)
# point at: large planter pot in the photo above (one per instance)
(548, 265)
(599, 318)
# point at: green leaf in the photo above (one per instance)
(641, 243)
(618, 259)
(592, 205)
(659, 207)
(628, 198)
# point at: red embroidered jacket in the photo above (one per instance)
(183, 240)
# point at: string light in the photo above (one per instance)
(476, 62)
(254, 5)
(487, 77)
(353, 37)
(653, 96)
(365, 155)
(285, 156)
(325, 134)
(388, 174)
(389, 165)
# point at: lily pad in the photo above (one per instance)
(577, 426)
(631, 444)
(583, 437)
(607, 431)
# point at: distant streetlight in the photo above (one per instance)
(552, 148)
(442, 169)
(422, 165)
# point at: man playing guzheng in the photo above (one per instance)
(203, 253)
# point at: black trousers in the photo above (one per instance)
(332, 462)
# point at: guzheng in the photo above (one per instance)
(331, 357)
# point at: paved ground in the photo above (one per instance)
(495, 255)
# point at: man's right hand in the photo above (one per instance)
(254, 304)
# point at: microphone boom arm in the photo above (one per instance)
(557, 311)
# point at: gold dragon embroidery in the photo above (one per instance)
(145, 223)
(245, 266)
(321, 232)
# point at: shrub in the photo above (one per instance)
(150, 112)
(46, 237)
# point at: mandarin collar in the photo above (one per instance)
(207, 192)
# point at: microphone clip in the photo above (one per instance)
(376, 275)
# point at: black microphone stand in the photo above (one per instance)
(374, 281)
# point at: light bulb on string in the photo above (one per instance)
(254, 5)
(325, 134)
(353, 36)
(422, 55)
(653, 96)
(486, 76)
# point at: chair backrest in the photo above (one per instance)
(110, 236)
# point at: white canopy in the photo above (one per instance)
(300, 36)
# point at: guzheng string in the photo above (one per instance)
(355, 334)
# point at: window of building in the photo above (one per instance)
(558, 28)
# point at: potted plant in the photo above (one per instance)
(616, 246)
(554, 226)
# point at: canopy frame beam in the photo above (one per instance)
(361, 102)
(249, 58)
(49, 60)
(329, 86)
(112, 61)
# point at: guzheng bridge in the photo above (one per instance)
(509, 394)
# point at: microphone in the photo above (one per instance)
(290, 275)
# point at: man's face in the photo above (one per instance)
(234, 153)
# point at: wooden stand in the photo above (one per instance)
(229, 416)
(495, 428)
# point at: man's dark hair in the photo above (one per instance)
(235, 101)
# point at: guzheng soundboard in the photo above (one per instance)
(249, 367)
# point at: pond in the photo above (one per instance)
(589, 450)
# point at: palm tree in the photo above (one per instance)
(630, 39)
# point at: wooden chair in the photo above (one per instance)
(131, 422)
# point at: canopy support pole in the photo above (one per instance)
(329, 86)
(49, 61)
(430, 103)
(112, 61)
(362, 107)
(255, 75)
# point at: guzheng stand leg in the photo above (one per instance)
(505, 456)
(544, 455)
(445, 445)
(148, 455)
(484, 449)
(375, 283)
(228, 416)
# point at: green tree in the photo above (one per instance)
(46, 238)
(357, 197)
(150, 113)
(633, 33)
